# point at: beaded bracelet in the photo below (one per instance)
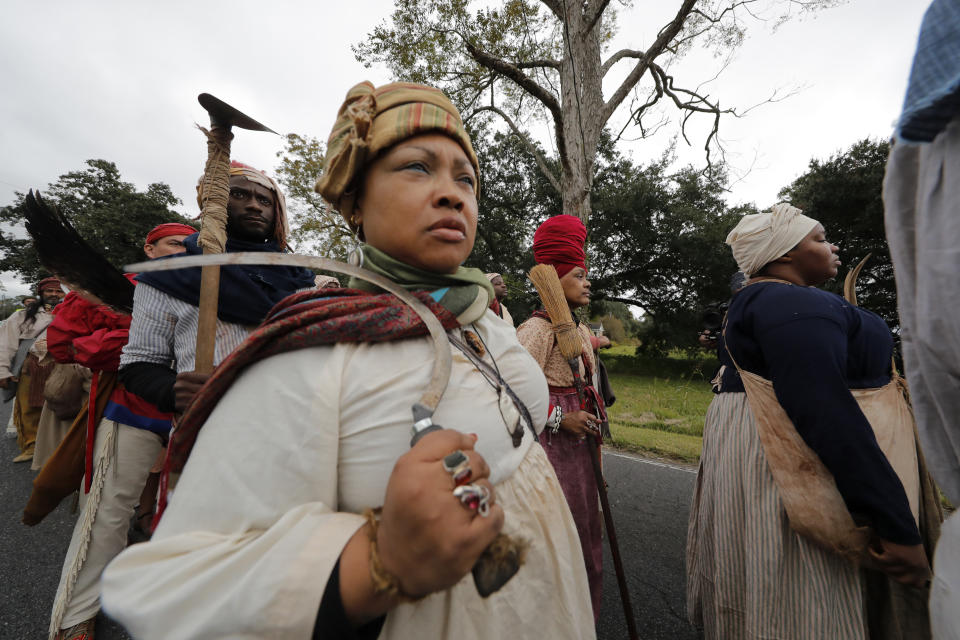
(384, 582)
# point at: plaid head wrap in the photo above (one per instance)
(281, 227)
(371, 121)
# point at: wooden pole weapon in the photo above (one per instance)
(215, 193)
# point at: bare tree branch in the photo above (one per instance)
(528, 84)
(512, 72)
(667, 34)
(694, 103)
(617, 57)
(554, 6)
(538, 64)
(541, 161)
(635, 303)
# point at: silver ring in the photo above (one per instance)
(475, 497)
(458, 466)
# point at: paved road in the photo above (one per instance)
(650, 501)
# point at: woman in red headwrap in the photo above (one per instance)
(559, 242)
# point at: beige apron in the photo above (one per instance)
(813, 503)
(814, 506)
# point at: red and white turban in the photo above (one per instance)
(169, 229)
(559, 241)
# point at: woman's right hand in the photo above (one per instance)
(904, 563)
(578, 423)
(427, 538)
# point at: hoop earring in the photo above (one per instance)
(355, 257)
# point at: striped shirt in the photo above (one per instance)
(164, 331)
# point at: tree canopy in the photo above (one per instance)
(844, 192)
(111, 215)
(656, 244)
(525, 61)
(314, 226)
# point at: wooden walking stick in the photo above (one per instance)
(215, 191)
(547, 283)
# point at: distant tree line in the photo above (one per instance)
(656, 241)
(110, 214)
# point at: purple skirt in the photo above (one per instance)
(570, 458)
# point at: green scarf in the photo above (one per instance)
(466, 293)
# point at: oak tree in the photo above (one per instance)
(111, 215)
(525, 61)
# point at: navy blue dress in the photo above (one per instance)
(730, 381)
(814, 347)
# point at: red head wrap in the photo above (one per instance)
(169, 229)
(559, 241)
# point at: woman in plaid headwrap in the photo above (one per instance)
(308, 439)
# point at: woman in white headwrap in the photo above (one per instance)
(821, 446)
(500, 291)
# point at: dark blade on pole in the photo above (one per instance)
(223, 115)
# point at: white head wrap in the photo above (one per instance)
(760, 238)
(491, 276)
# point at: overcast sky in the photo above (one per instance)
(118, 80)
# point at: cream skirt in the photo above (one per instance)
(749, 575)
(548, 598)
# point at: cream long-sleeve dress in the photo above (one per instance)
(301, 444)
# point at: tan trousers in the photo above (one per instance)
(50, 433)
(122, 460)
(25, 417)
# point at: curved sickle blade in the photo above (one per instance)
(850, 282)
(440, 375)
(226, 116)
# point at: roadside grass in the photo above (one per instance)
(661, 403)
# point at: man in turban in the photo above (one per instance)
(23, 345)
(165, 309)
(167, 239)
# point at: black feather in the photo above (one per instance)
(65, 253)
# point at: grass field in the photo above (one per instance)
(660, 403)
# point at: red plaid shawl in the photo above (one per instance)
(306, 319)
